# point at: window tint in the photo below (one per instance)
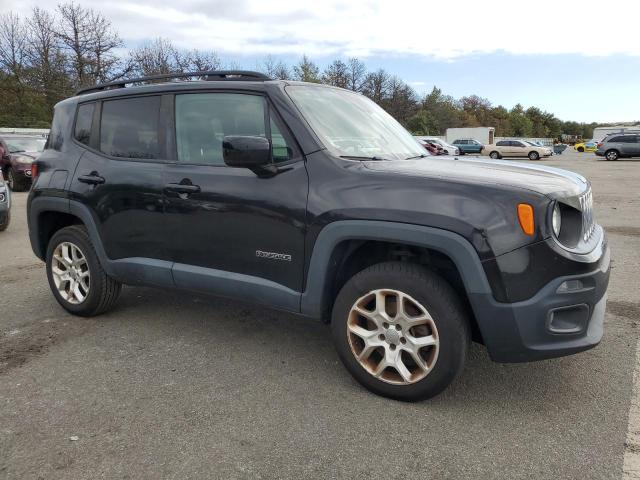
(517, 144)
(624, 139)
(84, 118)
(129, 127)
(203, 120)
(502, 143)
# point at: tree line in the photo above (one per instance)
(47, 55)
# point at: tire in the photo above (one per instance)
(16, 183)
(580, 149)
(4, 223)
(424, 292)
(495, 155)
(102, 291)
(611, 155)
(534, 156)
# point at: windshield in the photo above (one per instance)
(351, 125)
(25, 144)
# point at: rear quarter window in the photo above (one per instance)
(84, 120)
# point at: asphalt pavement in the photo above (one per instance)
(176, 385)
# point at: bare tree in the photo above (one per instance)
(157, 57)
(103, 62)
(275, 69)
(375, 85)
(356, 73)
(46, 61)
(13, 45)
(74, 32)
(336, 74)
(203, 61)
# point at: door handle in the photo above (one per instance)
(182, 188)
(92, 179)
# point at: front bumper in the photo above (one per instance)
(23, 169)
(566, 316)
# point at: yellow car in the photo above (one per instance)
(589, 146)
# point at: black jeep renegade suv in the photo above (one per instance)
(312, 199)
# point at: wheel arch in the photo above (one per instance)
(47, 215)
(345, 247)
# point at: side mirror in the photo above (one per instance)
(245, 151)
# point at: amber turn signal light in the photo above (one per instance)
(525, 216)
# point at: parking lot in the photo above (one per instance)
(177, 385)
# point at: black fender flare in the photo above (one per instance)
(451, 244)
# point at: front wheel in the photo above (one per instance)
(580, 149)
(77, 280)
(534, 156)
(400, 330)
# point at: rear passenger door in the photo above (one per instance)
(234, 220)
(120, 174)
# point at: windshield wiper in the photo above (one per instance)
(17, 151)
(422, 155)
(356, 157)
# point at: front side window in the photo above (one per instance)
(204, 119)
(129, 127)
(351, 125)
(84, 120)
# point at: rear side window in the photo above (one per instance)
(129, 127)
(502, 144)
(84, 120)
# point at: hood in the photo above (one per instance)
(549, 181)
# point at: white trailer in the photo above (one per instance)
(484, 135)
(600, 132)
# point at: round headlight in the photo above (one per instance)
(556, 220)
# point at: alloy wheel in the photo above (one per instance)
(612, 155)
(70, 272)
(393, 336)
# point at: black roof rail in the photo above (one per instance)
(210, 75)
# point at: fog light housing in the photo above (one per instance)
(566, 320)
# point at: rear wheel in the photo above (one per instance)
(400, 330)
(534, 156)
(612, 155)
(76, 278)
(580, 149)
(495, 155)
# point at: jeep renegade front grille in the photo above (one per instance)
(586, 206)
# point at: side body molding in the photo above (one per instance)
(453, 245)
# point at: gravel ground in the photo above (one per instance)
(175, 385)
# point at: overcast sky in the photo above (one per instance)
(577, 59)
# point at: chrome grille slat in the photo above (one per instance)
(586, 206)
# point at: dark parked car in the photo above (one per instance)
(432, 148)
(468, 145)
(19, 153)
(311, 199)
(619, 145)
(5, 204)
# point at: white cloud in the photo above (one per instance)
(444, 30)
